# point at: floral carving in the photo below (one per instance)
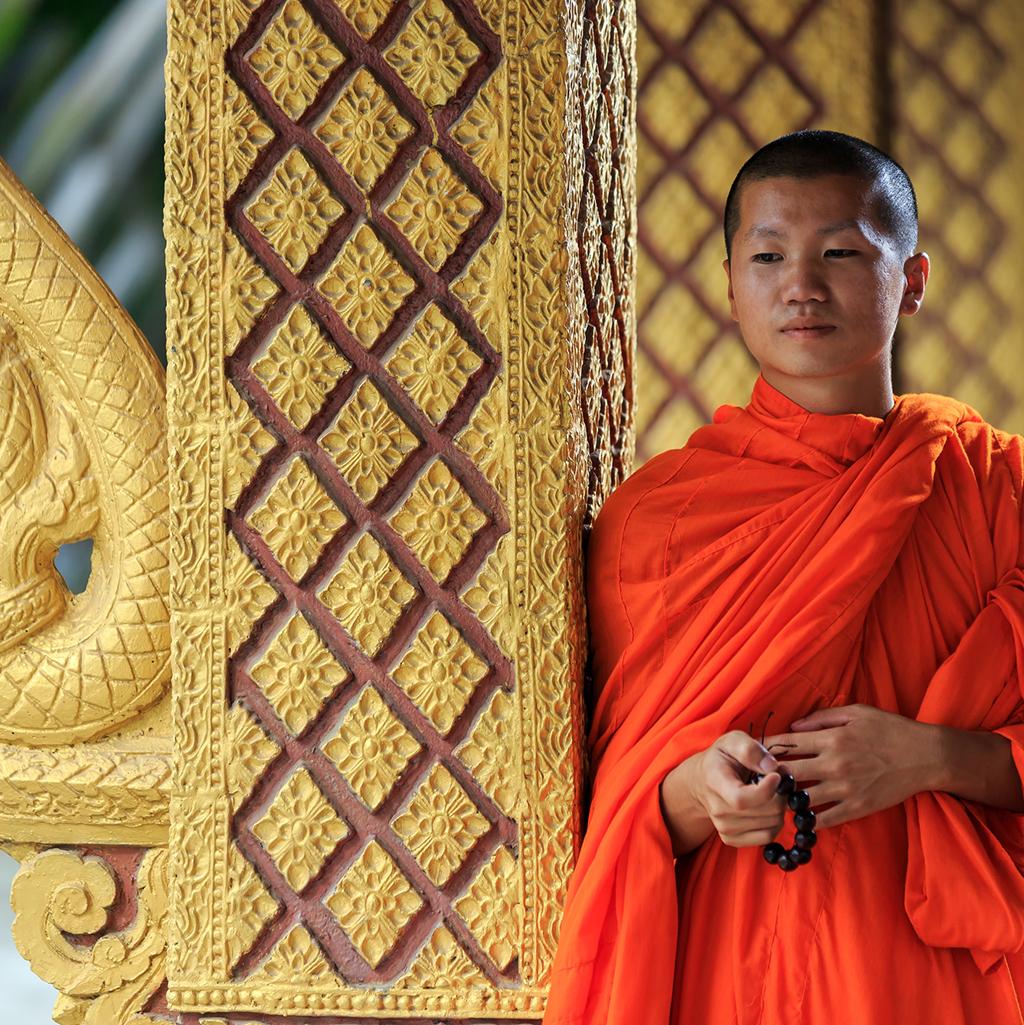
(366, 285)
(300, 366)
(373, 903)
(246, 133)
(365, 15)
(442, 964)
(491, 908)
(297, 674)
(368, 441)
(293, 58)
(371, 748)
(438, 520)
(300, 829)
(364, 129)
(440, 825)
(433, 363)
(440, 671)
(297, 956)
(297, 519)
(367, 594)
(490, 752)
(434, 208)
(247, 290)
(295, 210)
(251, 752)
(433, 53)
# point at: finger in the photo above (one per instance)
(751, 837)
(835, 816)
(823, 793)
(824, 718)
(783, 745)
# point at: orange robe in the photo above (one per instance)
(787, 560)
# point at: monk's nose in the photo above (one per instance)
(804, 284)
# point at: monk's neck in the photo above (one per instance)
(871, 397)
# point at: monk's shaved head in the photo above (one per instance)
(812, 153)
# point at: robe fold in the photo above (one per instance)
(783, 561)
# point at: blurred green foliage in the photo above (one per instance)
(81, 124)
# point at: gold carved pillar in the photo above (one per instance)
(400, 265)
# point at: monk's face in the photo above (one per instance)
(814, 282)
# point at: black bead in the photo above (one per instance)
(804, 820)
(772, 851)
(799, 800)
(805, 841)
(785, 862)
(786, 785)
(798, 856)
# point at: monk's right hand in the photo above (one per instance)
(744, 814)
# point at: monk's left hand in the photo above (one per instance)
(864, 759)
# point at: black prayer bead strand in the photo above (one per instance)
(799, 802)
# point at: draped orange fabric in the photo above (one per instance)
(787, 560)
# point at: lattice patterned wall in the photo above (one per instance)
(958, 87)
(938, 84)
(717, 80)
(401, 312)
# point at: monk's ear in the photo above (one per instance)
(732, 298)
(915, 272)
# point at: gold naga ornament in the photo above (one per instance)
(309, 743)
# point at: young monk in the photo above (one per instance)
(849, 564)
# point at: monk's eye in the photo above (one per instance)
(770, 257)
(842, 252)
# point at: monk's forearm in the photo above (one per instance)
(977, 765)
(687, 821)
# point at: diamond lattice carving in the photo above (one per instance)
(295, 210)
(297, 519)
(297, 673)
(440, 671)
(371, 748)
(300, 830)
(367, 594)
(433, 363)
(293, 58)
(300, 366)
(366, 285)
(364, 129)
(433, 53)
(368, 441)
(438, 520)
(440, 824)
(434, 208)
(373, 903)
(490, 907)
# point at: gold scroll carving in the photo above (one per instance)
(57, 894)
(397, 373)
